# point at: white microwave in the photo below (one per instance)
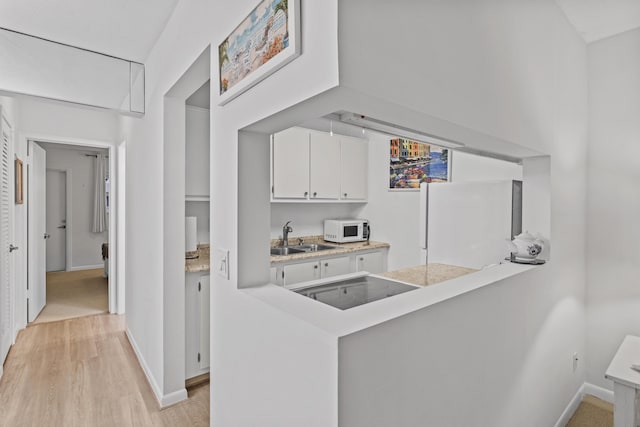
(346, 230)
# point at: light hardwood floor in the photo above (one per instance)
(83, 372)
(75, 294)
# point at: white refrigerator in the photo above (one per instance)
(468, 224)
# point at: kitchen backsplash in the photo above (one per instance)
(308, 219)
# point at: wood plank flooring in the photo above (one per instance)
(83, 372)
(75, 294)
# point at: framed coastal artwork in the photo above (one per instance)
(265, 41)
(19, 190)
(413, 162)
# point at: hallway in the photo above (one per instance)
(83, 372)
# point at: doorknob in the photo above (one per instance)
(46, 235)
(13, 248)
(62, 226)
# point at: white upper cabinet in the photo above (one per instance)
(290, 168)
(324, 179)
(197, 153)
(313, 166)
(353, 168)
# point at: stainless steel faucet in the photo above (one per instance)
(285, 233)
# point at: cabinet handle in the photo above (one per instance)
(361, 259)
(315, 266)
(345, 194)
(315, 194)
(326, 264)
(306, 193)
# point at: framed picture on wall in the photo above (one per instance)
(412, 163)
(19, 182)
(265, 41)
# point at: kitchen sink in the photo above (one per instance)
(287, 250)
(297, 249)
(314, 247)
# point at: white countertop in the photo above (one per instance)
(344, 322)
(619, 369)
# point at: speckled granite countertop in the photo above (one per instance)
(199, 264)
(425, 275)
(340, 248)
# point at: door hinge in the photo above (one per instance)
(199, 287)
(198, 357)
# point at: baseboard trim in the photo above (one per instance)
(143, 364)
(571, 408)
(162, 399)
(599, 392)
(173, 398)
(86, 267)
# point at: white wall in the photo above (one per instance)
(192, 27)
(514, 70)
(471, 167)
(85, 245)
(307, 219)
(613, 294)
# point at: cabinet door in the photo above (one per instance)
(204, 321)
(273, 275)
(324, 157)
(291, 164)
(197, 152)
(193, 326)
(353, 168)
(371, 262)
(303, 272)
(335, 266)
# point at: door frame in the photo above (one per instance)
(68, 245)
(114, 212)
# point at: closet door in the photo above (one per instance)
(6, 208)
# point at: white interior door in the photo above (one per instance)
(56, 220)
(37, 288)
(6, 208)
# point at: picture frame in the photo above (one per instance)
(413, 162)
(19, 190)
(265, 41)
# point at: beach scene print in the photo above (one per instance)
(412, 163)
(258, 39)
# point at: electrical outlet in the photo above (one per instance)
(220, 262)
(575, 361)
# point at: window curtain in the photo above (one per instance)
(99, 196)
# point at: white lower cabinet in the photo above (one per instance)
(335, 266)
(196, 324)
(302, 272)
(372, 262)
(289, 274)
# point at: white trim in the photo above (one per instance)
(571, 408)
(599, 392)
(86, 267)
(163, 400)
(173, 398)
(121, 227)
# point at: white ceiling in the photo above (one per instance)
(124, 28)
(598, 19)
